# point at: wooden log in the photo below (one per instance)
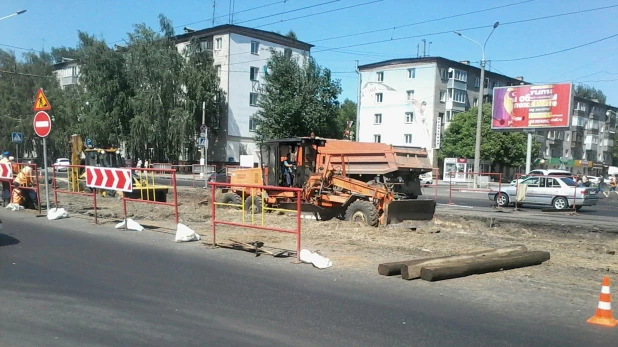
(483, 265)
(394, 268)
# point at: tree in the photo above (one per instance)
(347, 112)
(500, 148)
(299, 98)
(590, 93)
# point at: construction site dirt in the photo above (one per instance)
(579, 258)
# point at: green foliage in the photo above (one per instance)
(347, 112)
(590, 93)
(299, 98)
(501, 148)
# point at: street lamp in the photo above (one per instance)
(13, 14)
(479, 116)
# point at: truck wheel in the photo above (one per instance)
(362, 211)
(253, 203)
(231, 198)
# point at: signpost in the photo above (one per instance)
(204, 134)
(17, 138)
(42, 127)
(109, 178)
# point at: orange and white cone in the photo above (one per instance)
(603, 316)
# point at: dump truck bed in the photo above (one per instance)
(368, 158)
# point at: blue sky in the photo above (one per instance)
(55, 23)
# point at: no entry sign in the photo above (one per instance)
(42, 124)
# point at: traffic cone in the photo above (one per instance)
(603, 316)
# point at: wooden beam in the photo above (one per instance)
(394, 268)
(483, 265)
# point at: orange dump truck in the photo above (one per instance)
(398, 166)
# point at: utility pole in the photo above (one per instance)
(479, 115)
(204, 155)
(358, 103)
(214, 5)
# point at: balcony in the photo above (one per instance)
(69, 80)
(608, 142)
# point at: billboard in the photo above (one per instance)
(532, 107)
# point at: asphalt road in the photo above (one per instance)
(69, 283)
(604, 207)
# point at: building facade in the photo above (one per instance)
(587, 146)
(409, 102)
(240, 55)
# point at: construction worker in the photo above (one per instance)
(24, 197)
(6, 192)
(14, 165)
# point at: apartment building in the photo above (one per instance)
(409, 102)
(240, 55)
(587, 146)
(67, 72)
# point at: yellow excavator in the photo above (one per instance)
(144, 186)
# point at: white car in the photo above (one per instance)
(426, 179)
(595, 179)
(542, 173)
(61, 164)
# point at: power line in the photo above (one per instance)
(470, 28)
(290, 11)
(24, 74)
(21, 48)
(222, 16)
(556, 52)
(423, 22)
(323, 12)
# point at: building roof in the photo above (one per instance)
(253, 33)
(438, 60)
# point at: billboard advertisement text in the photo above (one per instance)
(532, 107)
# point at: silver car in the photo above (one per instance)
(558, 192)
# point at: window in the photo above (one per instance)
(460, 75)
(457, 95)
(287, 53)
(486, 82)
(377, 118)
(380, 76)
(379, 97)
(409, 95)
(255, 47)
(566, 152)
(477, 82)
(443, 96)
(252, 123)
(253, 73)
(580, 106)
(409, 117)
(218, 69)
(253, 99)
(206, 45)
(411, 73)
(73, 71)
(377, 138)
(407, 138)
(476, 102)
(449, 116)
(568, 137)
(218, 43)
(443, 74)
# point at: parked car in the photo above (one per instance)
(558, 192)
(61, 164)
(594, 179)
(543, 173)
(426, 179)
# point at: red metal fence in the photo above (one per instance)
(256, 191)
(74, 185)
(148, 183)
(477, 182)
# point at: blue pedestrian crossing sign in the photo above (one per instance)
(17, 137)
(88, 142)
(203, 142)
